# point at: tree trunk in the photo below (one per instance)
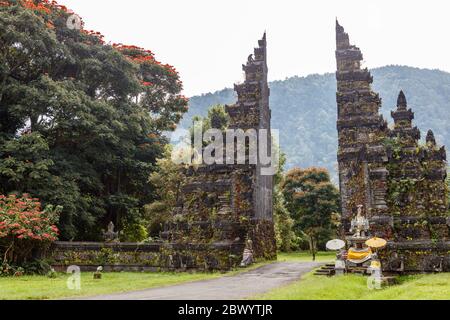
(312, 247)
(3, 84)
(9, 253)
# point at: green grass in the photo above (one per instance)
(310, 287)
(354, 287)
(42, 287)
(306, 256)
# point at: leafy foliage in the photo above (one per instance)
(81, 121)
(285, 236)
(167, 179)
(216, 118)
(24, 226)
(313, 201)
(134, 232)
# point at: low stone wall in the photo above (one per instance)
(145, 257)
(416, 256)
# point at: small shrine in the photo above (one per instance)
(358, 253)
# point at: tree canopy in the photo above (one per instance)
(313, 202)
(81, 120)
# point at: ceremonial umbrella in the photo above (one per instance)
(376, 243)
(335, 244)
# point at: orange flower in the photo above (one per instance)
(146, 83)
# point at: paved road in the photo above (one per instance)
(240, 286)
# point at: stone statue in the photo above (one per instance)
(98, 273)
(375, 266)
(339, 264)
(247, 258)
(360, 224)
(110, 235)
(359, 253)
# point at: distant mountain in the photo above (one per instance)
(304, 109)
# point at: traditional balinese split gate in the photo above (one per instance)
(399, 183)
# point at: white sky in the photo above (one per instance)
(208, 40)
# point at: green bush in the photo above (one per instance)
(134, 232)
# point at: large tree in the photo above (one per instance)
(313, 202)
(168, 180)
(284, 231)
(81, 121)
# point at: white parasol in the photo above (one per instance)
(335, 244)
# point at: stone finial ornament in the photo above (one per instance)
(430, 138)
(401, 101)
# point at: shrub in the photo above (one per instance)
(134, 232)
(24, 227)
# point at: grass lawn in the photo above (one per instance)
(42, 287)
(306, 256)
(354, 287)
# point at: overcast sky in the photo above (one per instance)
(208, 40)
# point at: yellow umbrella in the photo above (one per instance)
(376, 243)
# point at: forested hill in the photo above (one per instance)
(304, 109)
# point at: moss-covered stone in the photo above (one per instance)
(400, 183)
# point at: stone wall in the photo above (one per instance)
(144, 257)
